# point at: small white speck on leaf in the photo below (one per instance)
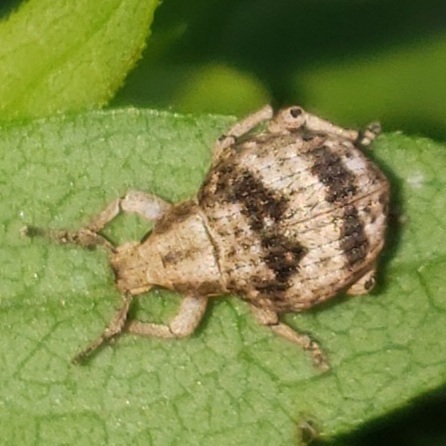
(416, 180)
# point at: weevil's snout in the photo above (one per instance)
(291, 118)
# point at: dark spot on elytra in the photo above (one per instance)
(258, 201)
(332, 173)
(354, 242)
(272, 287)
(236, 185)
(282, 255)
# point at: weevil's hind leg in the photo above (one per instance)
(241, 128)
(363, 137)
(183, 324)
(115, 327)
(364, 284)
(316, 124)
(270, 319)
(368, 134)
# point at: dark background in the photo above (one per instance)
(353, 61)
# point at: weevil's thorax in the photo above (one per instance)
(295, 217)
(177, 254)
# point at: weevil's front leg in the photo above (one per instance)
(241, 128)
(270, 319)
(147, 206)
(115, 327)
(84, 237)
(183, 324)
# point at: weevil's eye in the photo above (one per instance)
(295, 112)
(288, 120)
(293, 118)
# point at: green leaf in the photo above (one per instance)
(65, 55)
(232, 382)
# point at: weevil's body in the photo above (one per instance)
(285, 219)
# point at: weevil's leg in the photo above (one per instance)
(364, 284)
(250, 122)
(368, 134)
(316, 124)
(363, 137)
(146, 205)
(85, 237)
(183, 324)
(241, 128)
(115, 327)
(270, 319)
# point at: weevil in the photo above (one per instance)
(290, 213)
